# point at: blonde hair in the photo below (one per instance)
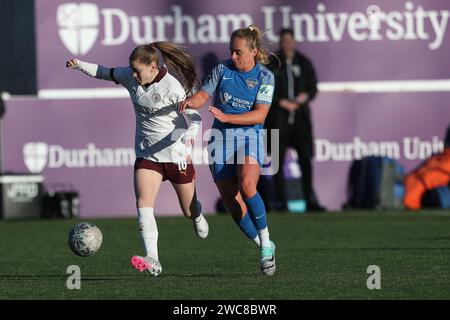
(253, 36)
(173, 55)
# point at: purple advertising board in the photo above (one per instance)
(347, 40)
(407, 127)
(383, 87)
(87, 145)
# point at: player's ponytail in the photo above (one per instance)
(254, 40)
(173, 55)
(179, 60)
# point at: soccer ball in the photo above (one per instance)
(85, 239)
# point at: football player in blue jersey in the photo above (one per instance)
(243, 90)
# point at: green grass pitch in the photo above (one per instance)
(319, 256)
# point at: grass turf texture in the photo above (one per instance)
(319, 256)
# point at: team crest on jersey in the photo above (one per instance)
(156, 97)
(251, 83)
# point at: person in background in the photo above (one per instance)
(295, 87)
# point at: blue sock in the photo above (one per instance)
(248, 227)
(257, 210)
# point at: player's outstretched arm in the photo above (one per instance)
(88, 68)
(91, 69)
(195, 101)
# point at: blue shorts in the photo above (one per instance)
(226, 155)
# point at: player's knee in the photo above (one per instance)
(144, 203)
(248, 187)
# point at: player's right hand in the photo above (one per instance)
(71, 63)
(189, 142)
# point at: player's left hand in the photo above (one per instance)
(189, 142)
(219, 115)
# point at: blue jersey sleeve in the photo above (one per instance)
(266, 89)
(120, 75)
(212, 81)
(123, 76)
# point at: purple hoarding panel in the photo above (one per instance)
(347, 40)
(408, 127)
(88, 144)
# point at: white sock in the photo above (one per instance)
(264, 237)
(257, 241)
(149, 231)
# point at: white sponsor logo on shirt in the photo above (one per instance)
(225, 97)
(235, 102)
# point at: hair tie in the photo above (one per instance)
(160, 57)
(253, 28)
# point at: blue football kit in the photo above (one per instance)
(236, 92)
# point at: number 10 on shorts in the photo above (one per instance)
(182, 165)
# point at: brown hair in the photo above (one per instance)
(174, 56)
(254, 41)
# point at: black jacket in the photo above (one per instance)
(304, 80)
